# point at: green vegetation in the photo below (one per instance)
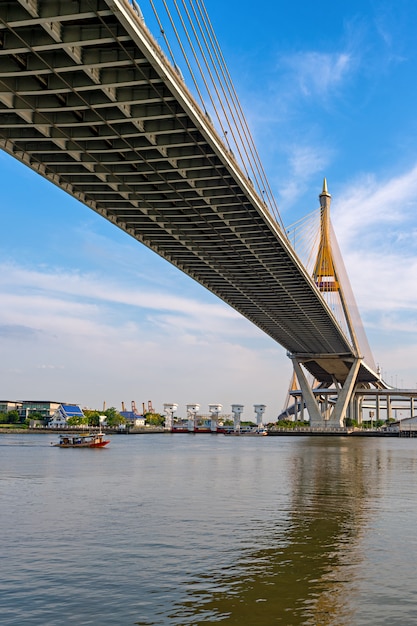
(92, 418)
(372, 424)
(154, 419)
(291, 424)
(77, 421)
(350, 423)
(12, 417)
(368, 424)
(113, 417)
(36, 415)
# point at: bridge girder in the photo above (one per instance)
(88, 100)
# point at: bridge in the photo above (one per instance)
(89, 100)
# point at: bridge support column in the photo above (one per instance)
(344, 395)
(389, 408)
(321, 415)
(355, 408)
(301, 416)
(307, 396)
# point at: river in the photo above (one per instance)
(164, 530)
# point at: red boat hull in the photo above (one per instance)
(99, 445)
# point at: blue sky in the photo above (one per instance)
(89, 315)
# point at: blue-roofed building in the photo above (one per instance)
(133, 419)
(63, 413)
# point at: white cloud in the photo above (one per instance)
(375, 225)
(97, 288)
(370, 205)
(316, 74)
(81, 338)
(305, 161)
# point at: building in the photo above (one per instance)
(404, 425)
(45, 409)
(63, 413)
(133, 419)
(10, 405)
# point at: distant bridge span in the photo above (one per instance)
(89, 101)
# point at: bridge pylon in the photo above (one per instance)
(329, 397)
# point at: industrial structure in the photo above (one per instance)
(213, 422)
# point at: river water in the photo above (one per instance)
(207, 529)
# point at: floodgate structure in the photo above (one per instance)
(92, 102)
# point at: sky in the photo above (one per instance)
(91, 316)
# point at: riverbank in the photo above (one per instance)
(336, 433)
(56, 431)
(282, 432)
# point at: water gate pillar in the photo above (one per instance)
(259, 410)
(192, 410)
(169, 410)
(237, 410)
(214, 410)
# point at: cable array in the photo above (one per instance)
(305, 237)
(187, 37)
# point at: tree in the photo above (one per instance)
(290, 424)
(9, 417)
(113, 417)
(77, 420)
(154, 419)
(13, 417)
(36, 415)
(93, 417)
(351, 423)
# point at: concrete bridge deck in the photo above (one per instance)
(88, 100)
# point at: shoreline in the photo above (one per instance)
(57, 431)
(406, 434)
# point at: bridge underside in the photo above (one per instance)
(89, 102)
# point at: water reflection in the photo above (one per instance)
(303, 572)
(170, 531)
